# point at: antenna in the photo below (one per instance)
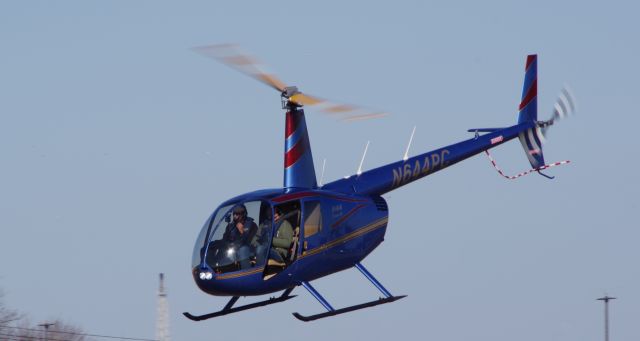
(606, 300)
(162, 323)
(362, 161)
(322, 175)
(406, 152)
(46, 326)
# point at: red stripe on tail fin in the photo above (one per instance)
(531, 94)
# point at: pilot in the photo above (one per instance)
(282, 240)
(239, 233)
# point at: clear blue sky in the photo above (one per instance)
(117, 142)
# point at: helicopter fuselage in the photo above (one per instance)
(333, 232)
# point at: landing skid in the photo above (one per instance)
(229, 310)
(348, 309)
(332, 312)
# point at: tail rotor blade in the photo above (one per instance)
(564, 107)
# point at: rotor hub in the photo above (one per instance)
(286, 95)
(290, 91)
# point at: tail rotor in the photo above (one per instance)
(534, 132)
(564, 107)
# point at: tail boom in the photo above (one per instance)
(383, 179)
(386, 178)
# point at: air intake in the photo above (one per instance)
(381, 204)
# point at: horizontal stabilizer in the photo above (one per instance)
(484, 130)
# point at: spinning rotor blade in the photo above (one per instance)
(303, 99)
(230, 55)
(364, 117)
(564, 107)
(349, 112)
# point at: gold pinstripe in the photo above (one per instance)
(361, 231)
(240, 274)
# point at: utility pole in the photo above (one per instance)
(162, 323)
(46, 326)
(606, 300)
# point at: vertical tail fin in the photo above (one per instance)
(298, 161)
(529, 103)
(531, 138)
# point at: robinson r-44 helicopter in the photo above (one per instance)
(275, 240)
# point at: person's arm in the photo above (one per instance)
(248, 236)
(227, 233)
(284, 236)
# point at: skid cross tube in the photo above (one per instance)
(231, 302)
(373, 280)
(317, 295)
(228, 308)
(332, 312)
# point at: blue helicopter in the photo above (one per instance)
(275, 240)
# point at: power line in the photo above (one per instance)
(22, 337)
(83, 334)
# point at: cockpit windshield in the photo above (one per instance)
(235, 237)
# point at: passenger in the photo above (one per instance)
(239, 233)
(281, 241)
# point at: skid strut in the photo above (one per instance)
(332, 312)
(228, 308)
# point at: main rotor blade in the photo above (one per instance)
(363, 117)
(348, 112)
(304, 99)
(230, 55)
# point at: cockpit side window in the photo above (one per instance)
(205, 233)
(312, 218)
(198, 249)
(238, 236)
